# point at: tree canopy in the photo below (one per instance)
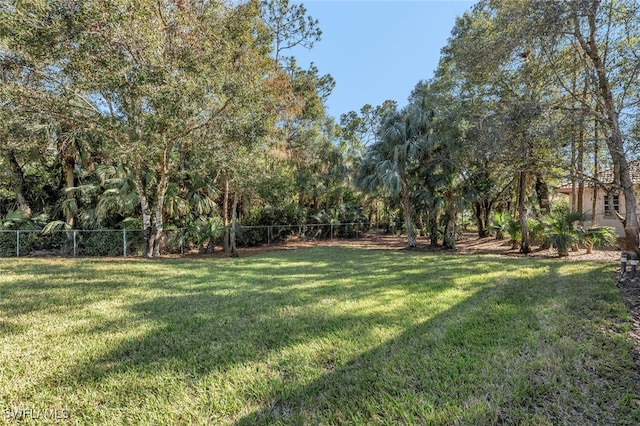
(191, 114)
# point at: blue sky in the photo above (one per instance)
(378, 50)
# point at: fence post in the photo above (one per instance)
(18, 243)
(75, 245)
(124, 242)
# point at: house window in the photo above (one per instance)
(609, 202)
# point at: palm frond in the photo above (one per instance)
(55, 225)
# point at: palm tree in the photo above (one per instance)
(499, 223)
(513, 229)
(562, 233)
(388, 162)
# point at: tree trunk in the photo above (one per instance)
(631, 230)
(158, 227)
(488, 205)
(522, 212)
(563, 251)
(615, 142)
(68, 175)
(432, 223)
(65, 145)
(408, 221)
(477, 210)
(589, 246)
(145, 209)
(152, 206)
(420, 224)
(616, 149)
(153, 223)
(542, 192)
(574, 194)
(594, 200)
(482, 226)
(18, 183)
(232, 230)
(161, 192)
(482, 219)
(226, 244)
(449, 240)
(580, 152)
(146, 225)
(580, 170)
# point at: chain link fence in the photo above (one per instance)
(103, 242)
(130, 242)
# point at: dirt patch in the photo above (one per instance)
(468, 243)
(381, 242)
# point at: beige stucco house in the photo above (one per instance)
(608, 200)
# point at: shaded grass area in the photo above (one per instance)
(317, 336)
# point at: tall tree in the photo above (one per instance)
(601, 39)
(389, 162)
(359, 131)
(613, 60)
(150, 75)
(290, 26)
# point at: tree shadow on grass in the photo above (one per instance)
(472, 361)
(246, 313)
(494, 358)
(44, 286)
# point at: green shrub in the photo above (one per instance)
(538, 232)
(561, 232)
(499, 222)
(598, 236)
(100, 243)
(8, 243)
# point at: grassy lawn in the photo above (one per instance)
(316, 336)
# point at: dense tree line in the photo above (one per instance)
(527, 93)
(190, 114)
(153, 114)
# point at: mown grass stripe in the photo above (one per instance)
(318, 336)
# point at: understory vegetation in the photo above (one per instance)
(331, 335)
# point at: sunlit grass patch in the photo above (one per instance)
(322, 336)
